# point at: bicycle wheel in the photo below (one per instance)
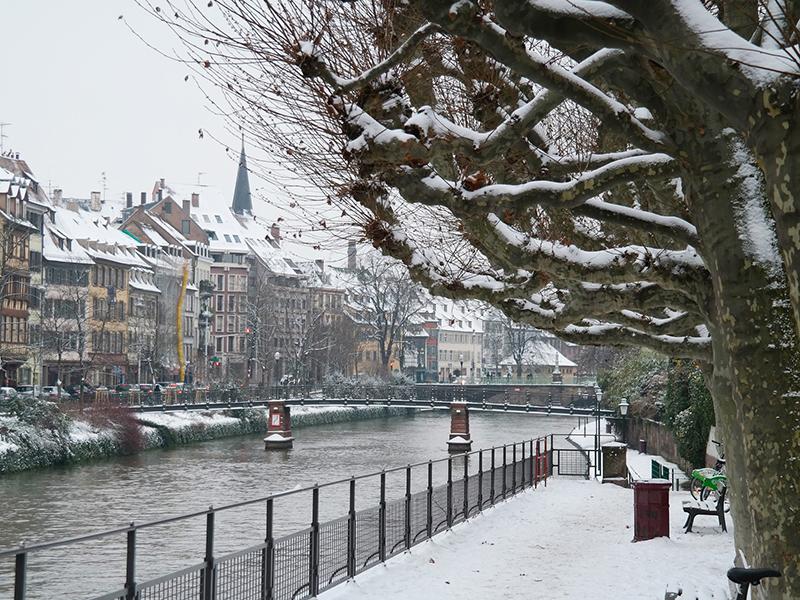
(697, 489)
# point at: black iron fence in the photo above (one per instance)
(303, 563)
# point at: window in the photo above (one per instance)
(227, 237)
(220, 303)
(219, 324)
(218, 343)
(231, 324)
(231, 343)
(168, 207)
(218, 218)
(186, 227)
(231, 303)
(206, 219)
(236, 239)
(36, 261)
(220, 282)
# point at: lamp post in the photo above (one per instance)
(461, 369)
(277, 365)
(598, 395)
(623, 411)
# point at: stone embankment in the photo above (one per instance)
(81, 438)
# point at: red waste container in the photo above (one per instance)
(650, 509)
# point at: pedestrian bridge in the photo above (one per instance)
(405, 403)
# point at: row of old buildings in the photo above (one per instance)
(183, 284)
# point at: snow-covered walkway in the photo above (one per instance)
(571, 540)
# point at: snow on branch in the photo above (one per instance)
(541, 310)
(673, 227)
(312, 62)
(529, 63)
(569, 194)
(682, 270)
(695, 347)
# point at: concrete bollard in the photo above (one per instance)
(279, 426)
(460, 439)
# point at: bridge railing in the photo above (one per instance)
(374, 517)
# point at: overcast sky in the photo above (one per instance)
(85, 96)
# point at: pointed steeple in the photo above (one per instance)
(241, 194)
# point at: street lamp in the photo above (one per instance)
(598, 395)
(623, 411)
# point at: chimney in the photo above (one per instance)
(143, 198)
(196, 200)
(160, 194)
(186, 207)
(58, 196)
(128, 199)
(320, 265)
(351, 255)
(162, 183)
(94, 202)
(275, 232)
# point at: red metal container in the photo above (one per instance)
(650, 509)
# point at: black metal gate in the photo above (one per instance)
(570, 462)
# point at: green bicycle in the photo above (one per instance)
(708, 481)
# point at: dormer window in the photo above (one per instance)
(168, 207)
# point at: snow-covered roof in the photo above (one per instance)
(540, 353)
(89, 226)
(57, 247)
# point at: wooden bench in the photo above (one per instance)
(694, 508)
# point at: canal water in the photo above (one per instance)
(55, 503)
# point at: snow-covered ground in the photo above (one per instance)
(570, 540)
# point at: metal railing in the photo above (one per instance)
(568, 396)
(305, 562)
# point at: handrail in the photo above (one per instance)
(211, 509)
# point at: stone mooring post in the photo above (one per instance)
(279, 426)
(460, 439)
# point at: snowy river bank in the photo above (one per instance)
(82, 438)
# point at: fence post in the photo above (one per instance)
(538, 471)
(514, 468)
(522, 462)
(268, 557)
(532, 470)
(505, 473)
(480, 480)
(20, 574)
(407, 528)
(449, 492)
(382, 520)
(207, 592)
(313, 563)
(429, 502)
(466, 486)
(130, 565)
(491, 487)
(351, 531)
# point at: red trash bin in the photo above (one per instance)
(650, 509)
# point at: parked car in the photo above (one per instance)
(74, 390)
(7, 392)
(29, 391)
(51, 392)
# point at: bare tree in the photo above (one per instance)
(519, 338)
(383, 302)
(615, 172)
(306, 342)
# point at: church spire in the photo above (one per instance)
(241, 193)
